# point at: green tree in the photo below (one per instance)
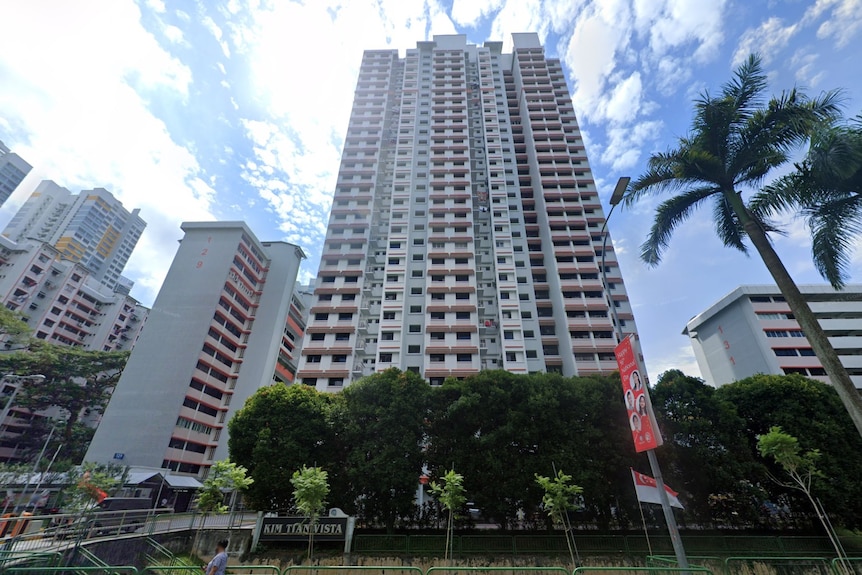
(450, 494)
(560, 498)
(800, 466)
(310, 490)
(277, 430)
(383, 425)
(826, 190)
(14, 331)
(224, 477)
(90, 483)
(706, 452)
(78, 383)
(734, 143)
(499, 429)
(812, 411)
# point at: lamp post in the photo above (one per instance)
(679, 550)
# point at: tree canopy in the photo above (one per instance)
(77, 386)
(500, 430)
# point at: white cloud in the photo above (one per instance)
(681, 358)
(80, 116)
(625, 100)
(625, 144)
(768, 40)
(216, 31)
(469, 12)
(844, 21)
(174, 35)
(156, 6)
(808, 72)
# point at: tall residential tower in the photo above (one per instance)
(225, 323)
(91, 228)
(13, 170)
(465, 231)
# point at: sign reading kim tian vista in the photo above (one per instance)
(299, 528)
(645, 432)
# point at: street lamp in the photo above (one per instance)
(679, 550)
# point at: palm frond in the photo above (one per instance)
(834, 226)
(668, 216)
(748, 83)
(727, 225)
(782, 195)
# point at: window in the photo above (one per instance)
(806, 352)
(388, 315)
(385, 358)
(412, 349)
(387, 336)
(339, 358)
(785, 352)
(342, 336)
(317, 336)
(463, 335)
(415, 309)
(508, 335)
(438, 315)
(531, 354)
(437, 358)
(464, 357)
(462, 315)
(321, 316)
(345, 316)
(313, 359)
(511, 356)
(336, 381)
(415, 328)
(416, 291)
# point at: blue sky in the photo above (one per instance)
(236, 109)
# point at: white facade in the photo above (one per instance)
(223, 325)
(13, 170)
(465, 231)
(751, 330)
(91, 228)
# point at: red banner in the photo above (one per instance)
(645, 432)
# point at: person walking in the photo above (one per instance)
(218, 565)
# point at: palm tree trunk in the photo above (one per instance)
(802, 312)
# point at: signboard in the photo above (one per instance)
(645, 433)
(299, 528)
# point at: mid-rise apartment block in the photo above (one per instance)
(466, 228)
(751, 330)
(64, 305)
(91, 228)
(225, 323)
(13, 170)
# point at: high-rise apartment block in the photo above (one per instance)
(91, 228)
(64, 305)
(62, 302)
(751, 330)
(225, 323)
(466, 229)
(13, 170)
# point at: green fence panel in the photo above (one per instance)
(540, 544)
(601, 544)
(740, 544)
(430, 544)
(231, 570)
(852, 544)
(110, 570)
(380, 544)
(487, 544)
(352, 570)
(797, 545)
(819, 565)
(853, 564)
(497, 570)
(639, 545)
(647, 570)
(699, 544)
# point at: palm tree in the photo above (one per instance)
(734, 142)
(826, 189)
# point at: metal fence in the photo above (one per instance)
(608, 545)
